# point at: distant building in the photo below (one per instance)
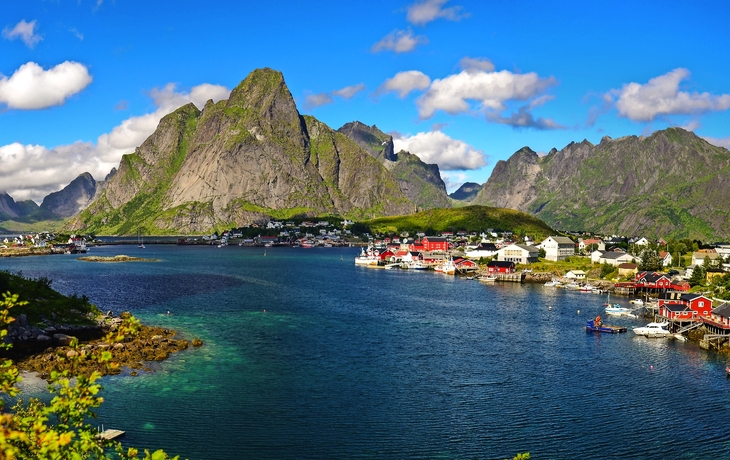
(518, 253)
(558, 248)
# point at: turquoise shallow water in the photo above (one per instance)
(308, 356)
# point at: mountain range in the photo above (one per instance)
(670, 184)
(254, 157)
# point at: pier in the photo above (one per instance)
(109, 435)
(511, 277)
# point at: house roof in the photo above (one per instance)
(487, 247)
(613, 255)
(723, 310)
(627, 266)
(562, 239)
(435, 239)
(577, 272)
(500, 263)
(676, 307)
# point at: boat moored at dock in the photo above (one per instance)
(596, 325)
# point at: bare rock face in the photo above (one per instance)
(236, 162)
(73, 198)
(670, 184)
(467, 192)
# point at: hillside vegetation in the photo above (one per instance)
(468, 218)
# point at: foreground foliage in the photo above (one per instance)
(59, 429)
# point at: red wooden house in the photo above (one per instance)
(701, 305)
(498, 266)
(435, 243)
(465, 264)
(719, 317)
(676, 311)
(652, 280)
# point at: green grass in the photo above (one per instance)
(45, 304)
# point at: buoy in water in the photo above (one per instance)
(579, 312)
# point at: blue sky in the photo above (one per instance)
(460, 83)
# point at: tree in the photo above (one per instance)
(541, 253)
(698, 277)
(650, 261)
(60, 429)
(606, 269)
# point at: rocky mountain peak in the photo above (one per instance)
(371, 139)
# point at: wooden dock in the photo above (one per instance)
(109, 435)
(511, 277)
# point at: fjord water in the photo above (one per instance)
(308, 356)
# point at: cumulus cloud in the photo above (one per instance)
(34, 171)
(490, 90)
(661, 96)
(423, 12)
(476, 64)
(349, 91)
(524, 119)
(399, 41)
(24, 31)
(437, 147)
(317, 100)
(31, 87)
(405, 82)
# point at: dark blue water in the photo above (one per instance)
(308, 356)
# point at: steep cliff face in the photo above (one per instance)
(670, 184)
(419, 181)
(10, 209)
(240, 161)
(73, 198)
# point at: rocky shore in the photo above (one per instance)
(44, 350)
(117, 258)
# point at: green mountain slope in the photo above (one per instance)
(241, 161)
(467, 218)
(670, 184)
(419, 181)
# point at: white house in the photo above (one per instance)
(518, 253)
(482, 250)
(558, 247)
(575, 275)
(611, 258)
(698, 258)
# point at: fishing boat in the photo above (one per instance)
(596, 325)
(369, 257)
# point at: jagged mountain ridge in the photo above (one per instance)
(467, 192)
(420, 182)
(10, 209)
(670, 184)
(240, 161)
(76, 196)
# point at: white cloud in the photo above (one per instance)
(25, 31)
(421, 13)
(78, 34)
(34, 171)
(491, 90)
(399, 41)
(31, 87)
(661, 96)
(524, 119)
(437, 147)
(405, 82)
(317, 100)
(349, 91)
(476, 64)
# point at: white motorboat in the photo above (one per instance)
(488, 278)
(617, 310)
(369, 257)
(653, 330)
(552, 283)
(636, 302)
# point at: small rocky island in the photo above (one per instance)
(117, 258)
(46, 322)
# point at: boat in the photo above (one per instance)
(636, 301)
(393, 265)
(552, 283)
(140, 242)
(596, 325)
(586, 288)
(680, 337)
(572, 286)
(653, 330)
(368, 257)
(617, 310)
(447, 267)
(488, 278)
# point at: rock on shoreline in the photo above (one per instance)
(45, 350)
